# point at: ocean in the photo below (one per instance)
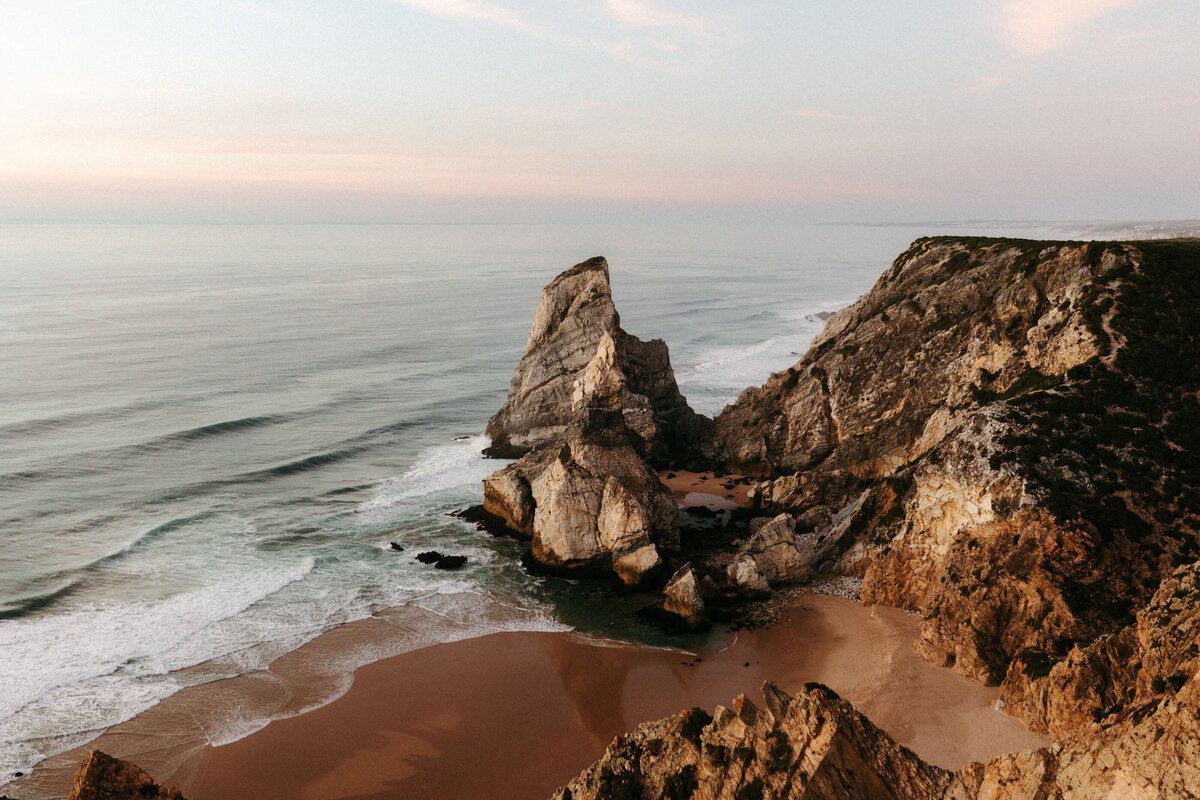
(210, 435)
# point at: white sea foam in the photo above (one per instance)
(136, 637)
(438, 470)
(720, 374)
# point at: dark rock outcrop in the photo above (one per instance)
(575, 313)
(682, 600)
(816, 746)
(102, 777)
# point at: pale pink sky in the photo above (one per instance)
(260, 109)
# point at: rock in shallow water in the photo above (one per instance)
(682, 599)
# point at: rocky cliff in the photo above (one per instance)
(1004, 437)
(1011, 427)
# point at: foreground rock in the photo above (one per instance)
(574, 315)
(1006, 432)
(816, 746)
(102, 777)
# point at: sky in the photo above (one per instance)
(477, 110)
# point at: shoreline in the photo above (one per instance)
(517, 714)
(429, 723)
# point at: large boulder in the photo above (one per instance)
(769, 556)
(682, 601)
(102, 777)
(575, 318)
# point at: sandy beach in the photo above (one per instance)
(707, 489)
(514, 715)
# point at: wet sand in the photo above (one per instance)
(707, 489)
(515, 715)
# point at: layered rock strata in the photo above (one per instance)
(575, 313)
(590, 407)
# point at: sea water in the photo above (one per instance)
(210, 435)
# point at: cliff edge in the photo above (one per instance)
(1008, 430)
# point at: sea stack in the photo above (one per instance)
(575, 313)
(590, 410)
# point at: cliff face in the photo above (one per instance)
(1018, 424)
(575, 312)
(1002, 435)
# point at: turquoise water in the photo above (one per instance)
(210, 434)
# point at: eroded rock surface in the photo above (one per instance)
(591, 407)
(575, 315)
(1013, 452)
(102, 777)
(682, 600)
(816, 746)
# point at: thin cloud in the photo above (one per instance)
(634, 14)
(816, 114)
(483, 12)
(812, 113)
(1040, 26)
(985, 85)
(637, 14)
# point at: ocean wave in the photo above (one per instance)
(24, 606)
(444, 468)
(217, 429)
(103, 460)
(47, 424)
(46, 654)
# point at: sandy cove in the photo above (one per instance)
(708, 489)
(515, 715)
(512, 716)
